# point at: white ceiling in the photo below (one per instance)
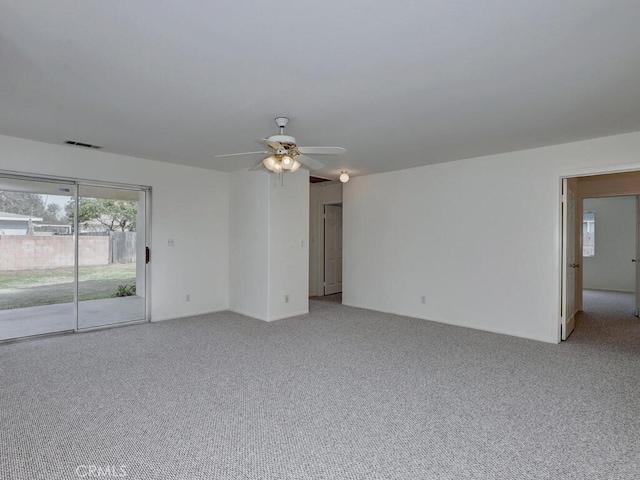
(398, 84)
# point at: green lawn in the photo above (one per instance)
(53, 276)
(28, 288)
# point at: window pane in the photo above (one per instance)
(588, 234)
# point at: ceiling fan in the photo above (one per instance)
(286, 155)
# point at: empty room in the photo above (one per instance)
(319, 240)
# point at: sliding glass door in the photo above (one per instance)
(111, 256)
(72, 256)
(37, 258)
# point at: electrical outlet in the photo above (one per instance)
(286, 299)
(171, 242)
(188, 297)
(423, 299)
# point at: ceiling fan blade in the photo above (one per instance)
(310, 162)
(237, 154)
(322, 150)
(274, 145)
(258, 166)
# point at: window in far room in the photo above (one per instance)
(588, 234)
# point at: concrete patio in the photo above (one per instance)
(29, 321)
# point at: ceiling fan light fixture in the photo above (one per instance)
(287, 162)
(296, 165)
(270, 162)
(344, 176)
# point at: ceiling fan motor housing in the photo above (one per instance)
(283, 139)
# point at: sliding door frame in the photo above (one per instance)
(76, 183)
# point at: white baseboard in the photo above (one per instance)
(272, 319)
(457, 324)
(187, 315)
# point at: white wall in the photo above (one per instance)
(615, 239)
(289, 245)
(321, 194)
(190, 205)
(269, 232)
(249, 243)
(479, 238)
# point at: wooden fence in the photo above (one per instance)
(122, 247)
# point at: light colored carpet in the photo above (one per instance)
(341, 393)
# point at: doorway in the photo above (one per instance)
(622, 266)
(73, 256)
(121, 232)
(332, 249)
(322, 195)
(609, 244)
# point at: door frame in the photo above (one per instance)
(147, 218)
(77, 182)
(320, 243)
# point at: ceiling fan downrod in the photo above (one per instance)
(281, 122)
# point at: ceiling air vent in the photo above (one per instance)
(85, 145)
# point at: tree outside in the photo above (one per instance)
(105, 214)
(34, 205)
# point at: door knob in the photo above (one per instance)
(634, 260)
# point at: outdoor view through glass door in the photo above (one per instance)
(59, 273)
(37, 261)
(111, 256)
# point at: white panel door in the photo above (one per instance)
(569, 254)
(637, 259)
(332, 249)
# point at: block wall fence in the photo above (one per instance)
(26, 252)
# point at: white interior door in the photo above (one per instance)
(569, 257)
(332, 249)
(637, 259)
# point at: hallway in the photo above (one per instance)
(607, 320)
